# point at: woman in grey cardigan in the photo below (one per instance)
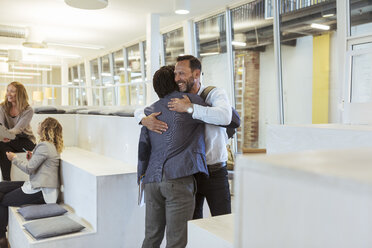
(43, 167)
(15, 115)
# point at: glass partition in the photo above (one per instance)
(360, 17)
(309, 63)
(135, 74)
(256, 95)
(212, 51)
(119, 77)
(75, 92)
(82, 84)
(96, 81)
(108, 81)
(361, 73)
(173, 46)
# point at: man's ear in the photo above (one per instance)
(196, 73)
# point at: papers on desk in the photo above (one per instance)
(141, 193)
(4, 133)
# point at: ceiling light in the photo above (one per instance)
(238, 43)
(15, 76)
(45, 53)
(328, 15)
(86, 46)
(24, 73)
(320, 26)
(209, 54)
(328, 12)
(31, 68)
(87, 4)
(182, 7)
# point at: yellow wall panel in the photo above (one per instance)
(320, 104)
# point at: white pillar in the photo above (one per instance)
(188, 36)
(153, 55)
(64, 83)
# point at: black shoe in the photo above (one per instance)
(3, 242)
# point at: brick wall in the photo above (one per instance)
(247, 71)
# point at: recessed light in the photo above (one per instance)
(320, 26)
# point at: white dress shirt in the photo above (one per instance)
(219, 113)
(50, 194)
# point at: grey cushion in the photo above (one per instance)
(125, 111)
(53, 226)
(43, 109)
(41, 211)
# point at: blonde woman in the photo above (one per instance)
(15, 115)
(43, 167)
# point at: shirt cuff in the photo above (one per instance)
(199, 111)
(139, 118)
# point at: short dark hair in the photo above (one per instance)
(163, 81)
(194, 62)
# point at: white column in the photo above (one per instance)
(188, 36)
(343, 25)
(64, 83)
(153, 48)
(88, 78)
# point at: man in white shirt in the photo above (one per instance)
(215, 188)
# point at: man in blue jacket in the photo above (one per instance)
(167, 162)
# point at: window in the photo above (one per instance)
(173, 46)
(119, 77)
(96, 81)
(135, 75)
(254, 83)
(107, 81)
(360, 17)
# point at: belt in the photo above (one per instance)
(216, 166)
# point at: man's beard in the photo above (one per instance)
(189, 84)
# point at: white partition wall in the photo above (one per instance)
(294, 138)
(305, 199)
(112, 136)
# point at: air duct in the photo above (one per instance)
(12, 31)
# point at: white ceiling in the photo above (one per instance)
(122, 22)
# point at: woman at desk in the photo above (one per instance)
(15, 115)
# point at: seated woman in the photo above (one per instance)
(43, 168)
(15, 115)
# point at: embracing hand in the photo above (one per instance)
(180, 105)
(153, 124)
(10, 155)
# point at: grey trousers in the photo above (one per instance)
(169, 204)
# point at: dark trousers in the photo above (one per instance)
(15, 145)
(11, 194)
(216, 190)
